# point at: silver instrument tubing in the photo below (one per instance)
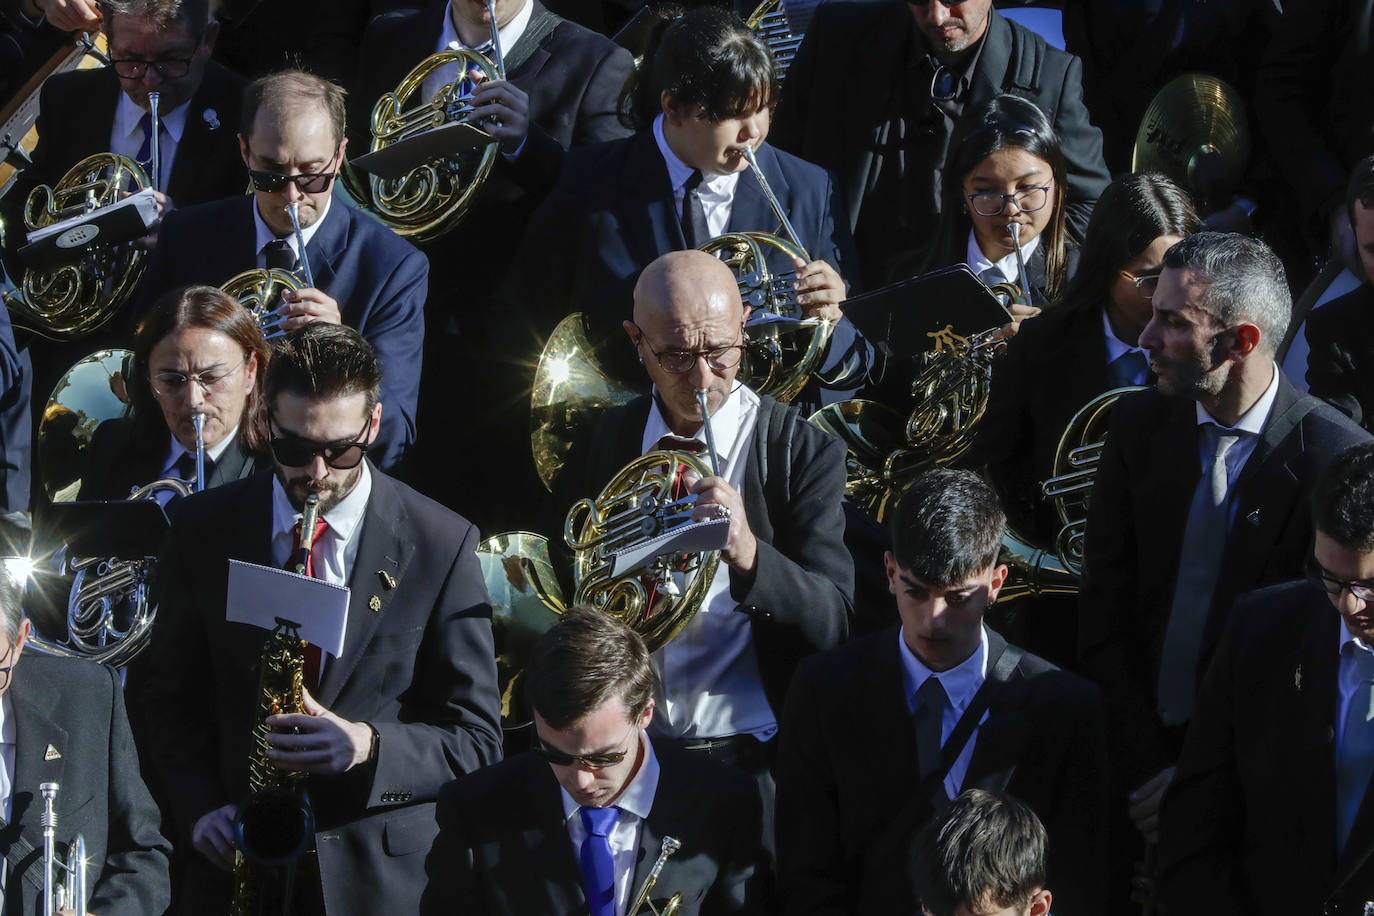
(1015, 230)
(499, 62)
(154, 138)
(293, 210)
(706, 427)
(772, 199)
(199, 420)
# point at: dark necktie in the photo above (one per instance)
(596, 861)
(278, 255)
(694, 228)
(928, 720)
(186, 467)
(468, 85)
(145, 150)
(313, 658)
(1129, 368)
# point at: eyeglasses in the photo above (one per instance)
(272, 182)
(6, 671)
(211, 381)
(295, 452)
(1328, 583)
(1145, 285)
(168, 67)
(589, 761)
(1027, 200)
(679, 361)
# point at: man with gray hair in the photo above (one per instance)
(1201, 494)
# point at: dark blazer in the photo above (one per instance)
(612, 213)
(801, 595)
(120, 462)
(840, 790)
(418, 666)
(1249, 824)
(1340, 359)
(503, 844)
(16, 423)
(1145, 482)
(822, 119)
(70, 728)
(379, 279)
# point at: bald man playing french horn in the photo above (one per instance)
(785, 584)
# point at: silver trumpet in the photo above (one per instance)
(154, 138)
(670, 846)
(702, 394)
(61, 892)
(293, 211)
(772, 200)
(199, 420)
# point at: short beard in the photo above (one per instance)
(297, 488)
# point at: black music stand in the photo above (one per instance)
(400, 158)
(905, 318)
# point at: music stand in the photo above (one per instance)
(905, 318)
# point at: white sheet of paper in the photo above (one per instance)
(708, 535)
(258, 595)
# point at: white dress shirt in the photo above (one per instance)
(1347, 678)
(507, 35)
(1250, 424)
(1003, 270)
(635, 802)
(709, 683)
(717, 192)
(961, 683)
(7, 738)
(337, 548)
(1116, 348)
(265, 236)
(213, 453)
(126, 137)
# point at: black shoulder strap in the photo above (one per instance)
(1027, 59)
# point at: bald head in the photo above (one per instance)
(687, 288)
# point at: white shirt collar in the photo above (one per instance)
(508, 34)
(725, 424)
(1006, 266)
(127, 116)
(637, 798)
(265, 235)
(719, 186)
(960, 682)
(1115, 345)
(1252, 421)
(344, 519)
(214, 452)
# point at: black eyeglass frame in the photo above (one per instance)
(712, 355)
(162, 66)
(1323, 580)
(275, 182)
(330, 452)
(1044, 189)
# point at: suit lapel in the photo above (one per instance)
(203, 128)
(646, 206)
(880, 59)
(550, 849)
(328, 245)
(1171, 478)
(986, 80)
(39, 744)
(998, 742)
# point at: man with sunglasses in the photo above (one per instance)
(784, 586)
(1201, 494)
(577, 824)
(365, 276)
(927, 66)
(1269, 812)
(409, 704)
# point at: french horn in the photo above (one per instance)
(259, 290)
(770, 20)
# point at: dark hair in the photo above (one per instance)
(1360, 188)
(707, 57)
(284, 93)
(1132, 212)
(11, 599)
(948, 526)
(1245, 282)
(197, 307)
(587, 658)
(162, 14)
(1343, 499)
(988, 848)
(323, 361)
(1011, 122)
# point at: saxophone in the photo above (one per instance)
(276, 825)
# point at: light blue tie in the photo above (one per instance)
(598, 866)
(1355, 756)
(1130, 368)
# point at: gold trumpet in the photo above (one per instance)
(670, 846)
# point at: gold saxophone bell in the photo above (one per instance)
(259, 290)
(74, 300)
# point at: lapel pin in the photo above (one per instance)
(211, 118)
(52, 753)
(375, 603)
(1297, 678)
(387, 578)
(1253, 518)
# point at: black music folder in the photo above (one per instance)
(65, 242)
(909, 315)
(125, 529)
(403, 156)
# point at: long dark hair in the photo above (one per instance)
(1011, 122)
(707, 57)
(197, 307)
(1132, 212)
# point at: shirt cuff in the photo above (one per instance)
(511, 157)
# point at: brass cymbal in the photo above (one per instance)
(1196, 131)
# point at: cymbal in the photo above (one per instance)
(1196, 132)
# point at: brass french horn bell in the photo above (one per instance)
(259, 290)
(92, 392)
(1196, 132)
(770, 20)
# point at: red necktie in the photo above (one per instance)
(313, 657)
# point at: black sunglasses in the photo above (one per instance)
(590, 761)
(272, 182)
(295, 452)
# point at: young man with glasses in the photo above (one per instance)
(364, 275)
(578, 823)
(411, 702)
(1274, 774)
(784, 586)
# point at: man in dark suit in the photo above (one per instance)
(364, 275)
(890, 139)
(784, 587)
(1340, 334)
(1269, 812)
(1200, 495)
(583, 819)
(409, 704)
(986, 714)
(64, 722)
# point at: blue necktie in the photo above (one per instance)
(598, 868)
(145, 151)
(1355, 756)
(1130, 368)
(928, 720)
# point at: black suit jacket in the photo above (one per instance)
(1340, 359)
(1249, 824)
(121, 462)
(418, 667)
(822, 119)
(801, 595)
(1145, 482)
(847, 763)
(379, 279)
(70, 728)
(503, 844)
